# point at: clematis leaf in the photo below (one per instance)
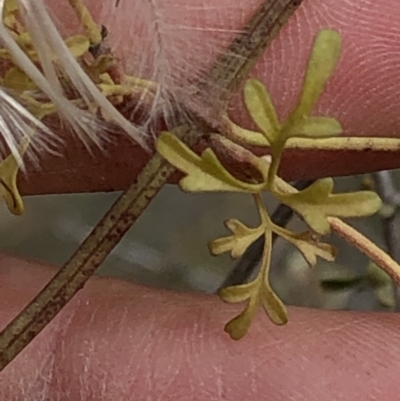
(272, 305)
(237, 243)
(17, 80)
(78, 45)
(256, 292)
(261, 109)
(316, 127)
(99, 66)
(10, 7)
(238, 293)
(8, 180)
(204, 173)
(308, 246)
(238, 327)
(245, 135)
(316, 203)
(10, 10)
(323, 59)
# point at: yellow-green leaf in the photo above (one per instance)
(8, 180)
(238, 293)
(323, 59)
(272, 305)
(308, 204)
(237, 243)
(100, 65)
(10, 9)
(204, 173)
(17, 80)
(317, 202)
(353, 204)
(239, 326)
(78, 45)
(309, 248)
(245, 135)
(315, 127)
(261, 109)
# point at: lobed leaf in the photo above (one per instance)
(238, 293)
(204, 173)
(10, 10)
(8, 180)
(315, 127)
(323, 59)
(308, 246)
(238, 327)
(272, 305)
(316, 203)
(78, 45)
(257, 291)
(245, 135)
(237, 243)
(261, 109)
(17, 80)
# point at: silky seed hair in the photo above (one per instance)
(165, 47)
(178, 43)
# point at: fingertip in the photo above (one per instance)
(116, 339)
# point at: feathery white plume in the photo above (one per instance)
(16, 122)
(48, 43)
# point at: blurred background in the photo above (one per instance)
(168, 245)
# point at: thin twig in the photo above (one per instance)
(100, 242)
(231, 68)
(391, 197)
(367, 247)
(91, 253)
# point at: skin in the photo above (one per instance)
(361, 93)
(117, 340)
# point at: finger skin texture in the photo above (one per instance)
(119, 341)
(362, 94)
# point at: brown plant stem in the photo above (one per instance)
(91, 253)
(229, 70)
(256, 35)
(390, 197)
(367, 247)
